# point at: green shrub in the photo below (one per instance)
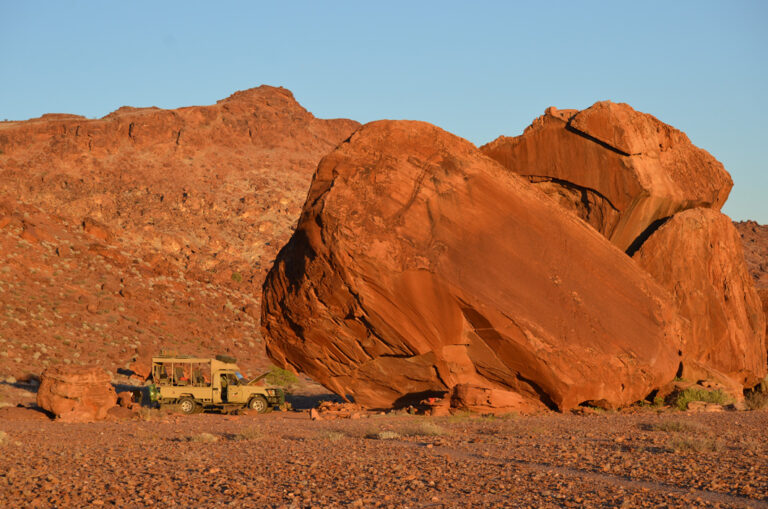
(237, 277)
(681, 399)
(281, 377)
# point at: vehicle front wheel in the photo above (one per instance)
(258, 403)
(187, 406)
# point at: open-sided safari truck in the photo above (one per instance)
(195, 384)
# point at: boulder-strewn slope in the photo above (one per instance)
(754, 238)
(618, 169)
(419, 264)
(149, 228)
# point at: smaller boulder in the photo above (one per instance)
(76, 393)
(485, 400)
(97, 230)
(125, 399)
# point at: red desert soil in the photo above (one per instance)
(642, 459)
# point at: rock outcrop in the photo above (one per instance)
(697, 255)
(420, 264)
(76, 393)
(618, 169)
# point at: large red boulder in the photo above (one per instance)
(618, 169)
(420, 264)
(76, 393)
(697, 255)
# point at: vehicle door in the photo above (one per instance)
(216, 389)
(236, 394)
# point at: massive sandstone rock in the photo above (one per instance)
(76, 393)
(618, 169)
(697, 255)
(420, 264)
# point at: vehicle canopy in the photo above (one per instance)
(190, 370)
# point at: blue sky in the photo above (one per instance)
(478, 69)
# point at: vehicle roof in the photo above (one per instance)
(191, 359)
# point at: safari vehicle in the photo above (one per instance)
(194, 384)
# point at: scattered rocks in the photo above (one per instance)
(328, 410)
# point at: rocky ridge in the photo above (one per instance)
(149, 229)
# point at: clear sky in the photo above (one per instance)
(478, 69)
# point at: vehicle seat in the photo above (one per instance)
(180, 379)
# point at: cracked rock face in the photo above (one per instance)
(420, 264)
(618, 169)
(697, 255)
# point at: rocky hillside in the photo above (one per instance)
(149, 229)
(754, 237)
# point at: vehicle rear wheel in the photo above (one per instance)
(258, 403)
(187, 406)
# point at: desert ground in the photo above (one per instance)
(638, 457)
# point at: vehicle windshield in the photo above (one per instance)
(239, 376)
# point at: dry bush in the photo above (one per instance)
(695, 444)
(673, 426)
(203, 437)
(382, 435)
(332, 436)
(424, 429)
(757, 398)
(247, 434)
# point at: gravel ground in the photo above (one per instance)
(644, 459)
